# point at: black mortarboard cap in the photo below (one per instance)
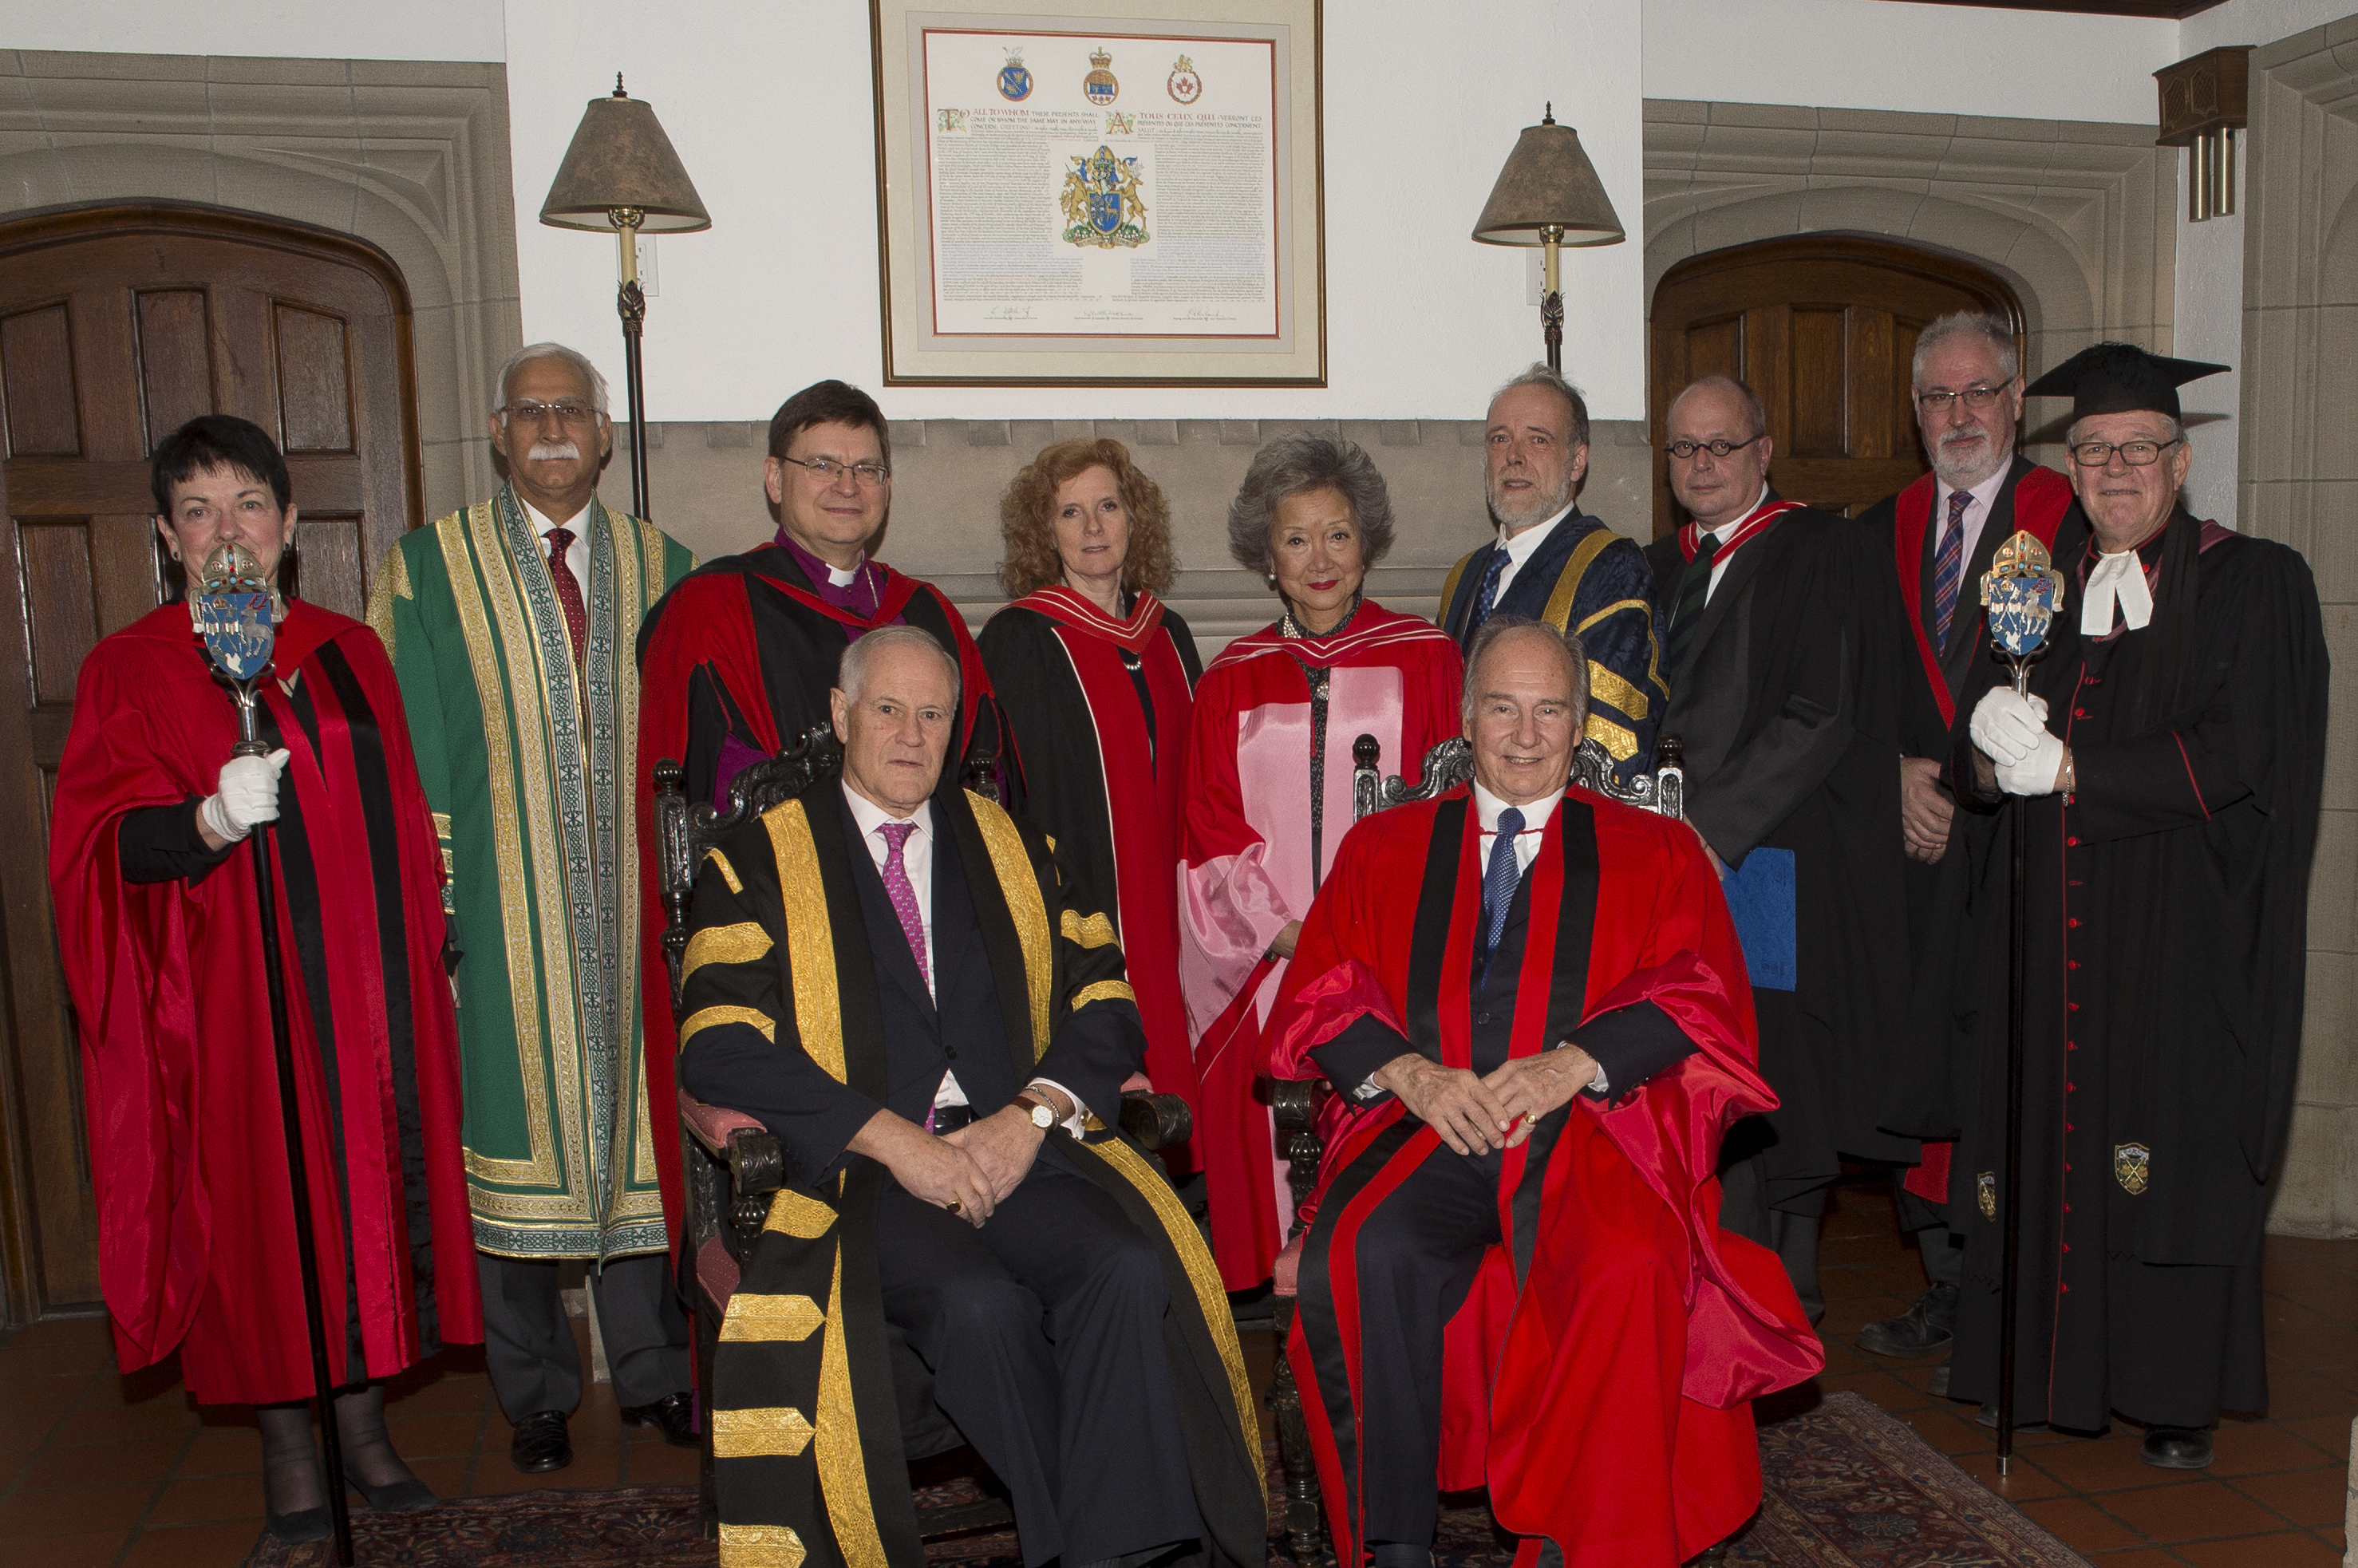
(2120, 378)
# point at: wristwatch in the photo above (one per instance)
(1044, 1115)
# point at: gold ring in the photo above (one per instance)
(951, 1205)
(1531, 1118)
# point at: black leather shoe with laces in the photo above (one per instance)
(1924, 1329)
(674, 1413)
(540, 1444)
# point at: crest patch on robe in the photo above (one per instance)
(2132, 1166)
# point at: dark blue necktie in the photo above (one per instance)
(1487, 600)
(1499, 882)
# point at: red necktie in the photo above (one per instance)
(568, 591)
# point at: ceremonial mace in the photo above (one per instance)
(2022, 590)
(234, 614)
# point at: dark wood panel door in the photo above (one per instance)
(1822, 327)
(117, 325)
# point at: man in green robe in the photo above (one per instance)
(510, 625)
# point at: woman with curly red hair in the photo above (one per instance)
(1096, 676)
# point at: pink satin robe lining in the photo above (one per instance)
(1232, 907)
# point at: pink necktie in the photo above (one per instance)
(903, 896)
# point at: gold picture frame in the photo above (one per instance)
(1092, 195)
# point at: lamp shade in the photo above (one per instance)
(621, 157)
(1547, 180)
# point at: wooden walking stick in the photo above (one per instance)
(234, 611)
(2022, 590)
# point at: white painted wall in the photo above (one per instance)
(294, 29)
(777, 130)
(1940, 60)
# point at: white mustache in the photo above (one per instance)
(554, 452)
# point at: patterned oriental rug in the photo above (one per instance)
(1848, 1486)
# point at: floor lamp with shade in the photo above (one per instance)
(1549, 195)
(621, 173)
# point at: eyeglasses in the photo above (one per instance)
(1683, 450)
(829, 471)
(2137, 454)
(1975, 397)
(576, 414)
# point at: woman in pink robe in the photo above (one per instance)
(1268, 793)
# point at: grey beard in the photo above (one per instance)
(1956, 476)
(1540, 511)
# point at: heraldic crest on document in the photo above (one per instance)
(1103, 202)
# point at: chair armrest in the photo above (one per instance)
(1158, 1122)
(1295, 1101)
(711, 1125)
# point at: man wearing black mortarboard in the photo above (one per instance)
(2168, 763)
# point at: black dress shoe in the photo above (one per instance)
(1924, 1329)
(1937, 1385)
(540, 1444)
(2178, 1447)
(674, 1413)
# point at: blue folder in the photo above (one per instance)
(1760, 897)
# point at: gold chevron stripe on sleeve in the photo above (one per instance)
(1620, 743)
(710, 1017)
(1088, 930)
(794, 1214)
(756, 1317)
(1606, 686)
(780, 1430)
(1104, 991)
(739, 944)
(761, 1546)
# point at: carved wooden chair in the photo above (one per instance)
(1297, 1101)
(733, 1165)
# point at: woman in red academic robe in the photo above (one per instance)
(1096, 677)
(158, 927)
(1268, 793)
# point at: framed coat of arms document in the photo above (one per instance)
(1098, 196)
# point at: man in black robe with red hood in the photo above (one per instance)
(736, 662)
(2168, 765)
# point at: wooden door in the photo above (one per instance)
(1822, 327)
(116, 325)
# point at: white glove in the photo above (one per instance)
(2007, 726)
(246, 793)
(2036, 773)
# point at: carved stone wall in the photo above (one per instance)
(2080, 216)
(2298, 483)
(410, 156)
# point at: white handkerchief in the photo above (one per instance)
(2120, 577)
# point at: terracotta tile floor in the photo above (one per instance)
(2273, 1497)
(108, 1471)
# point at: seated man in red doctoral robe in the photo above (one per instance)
(1531, 1006)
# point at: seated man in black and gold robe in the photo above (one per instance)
(895, 979)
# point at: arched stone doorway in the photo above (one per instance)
(1822, 325)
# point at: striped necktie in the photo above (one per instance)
(1694, 592)
(1948, 566)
